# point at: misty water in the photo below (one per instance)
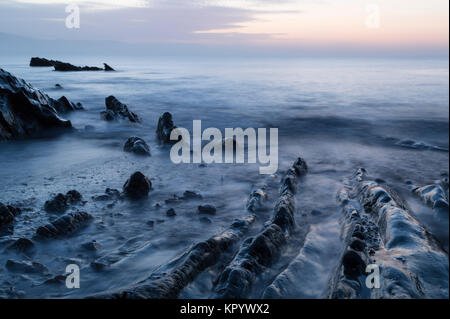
(389, 116)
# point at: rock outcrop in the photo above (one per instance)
(64, 66)
(379, 230)
(26, 111)
(137, 145)
(60, 203)
(36, 61)
(263, 250)
(116, 110)
(7, 214)
(64, 225)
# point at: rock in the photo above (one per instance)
(67, 67)
(205, 220)
(191, 195)
(60, 203)
(107, 67)
(151, 223)
(116, 110)
(165, 127)
(64, 225)
(36, 61)
(58, 86)
(7, 214)
(206, 209)
(110, 194)
(26, 267)
(137, 186)
(171, 212)
(26, 111)
(136, 145)
(63, 105)
(22, 245)
(91, 246)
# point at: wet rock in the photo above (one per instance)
(171, 212)
(67, 67)
(25, 267)
(110, 194)
(206, 209)
(165, 127)
(56, 280)
(358, 245)
(191, 195)
(60, 203)
(64, 225)
(137, 145)
(91, 245)
(98, 266)
(7, 214)
(137, 186)
(150, 223)
(58, 86)
(354, 265)
(116, 110)
(107, 67)
(26, 111)
(172, 278)
(63, 105)
(22, 245)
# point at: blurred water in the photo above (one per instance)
(338, 114)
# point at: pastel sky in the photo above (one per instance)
(389, 25)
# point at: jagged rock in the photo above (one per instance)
(191, 195)
(63, 66)
(206, 209)
(91, 245)
(7, 214)
(137, 186)
(434, 195)
(25, 267)
(60, 203)
(64, 225)
(136, 145)
(36, 61)
(63, 105)
(58, 86)
(261, 251)
(165, 127)
(116, 110)
(110, 194)
(26, 111)
(107, 67)
(170, 279)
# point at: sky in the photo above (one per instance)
(310, 26)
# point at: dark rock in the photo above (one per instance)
(26, 111)
(58, 86)
(36, 61)
(98, 266)
(171, 212)
(60, 203)
(165, 127)
(22, 245)
(64, 225)
(191, 195)
(25, 267)
(63, 105)
(358, 245)
(136, 145)
(91, 246)
(137, 186)
(206, 209)
(107, 67)
(66, 67)
(151, 223)
(110, 194)
(6, 216)
(116, 110)
(354, 265)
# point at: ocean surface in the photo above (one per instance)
(389, 116)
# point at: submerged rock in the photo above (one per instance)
(116, 110)
(137, 145)
(206, 209)
(60, 203)
(7, 214)
(165, 127)
(22, 245)
(137, 186)
(64, 225)
(25, 267)
(63, 105)
(26, 111)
